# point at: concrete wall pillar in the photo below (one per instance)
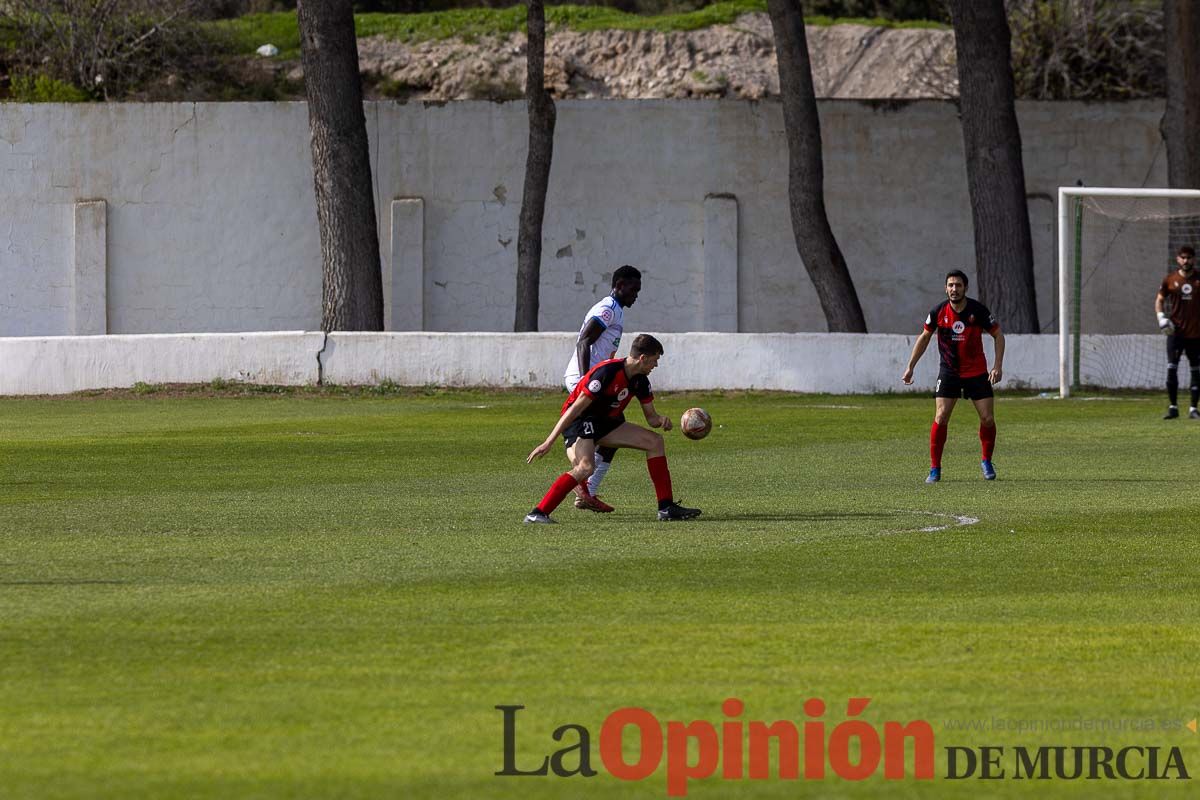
(720, 306)
(89, 274)
(404, 277)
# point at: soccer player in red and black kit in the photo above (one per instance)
(959, 323)
(1178, 310)
(593, 415)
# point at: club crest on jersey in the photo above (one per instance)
(606, 315)
(1186, 289)
(622, 395)
(594, 386)
(958, 326)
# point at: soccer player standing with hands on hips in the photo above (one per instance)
(1178, 310)
(599, 338)
(593, 416)
(959, 323)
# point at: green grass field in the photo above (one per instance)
(323, 594)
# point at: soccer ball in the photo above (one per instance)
(695, 423)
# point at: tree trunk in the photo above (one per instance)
(995, 172)
(1181, 123)
(537, 172)
(815, 242)
(352, 287)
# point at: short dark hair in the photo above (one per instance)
(645, 345)
(1186, 250)
(957, 273)
(626, 272)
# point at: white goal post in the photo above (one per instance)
(1113, 244)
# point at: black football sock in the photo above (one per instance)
(1173, 383)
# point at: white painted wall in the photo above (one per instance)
(210, 223)
(64, 364)
(802, 362)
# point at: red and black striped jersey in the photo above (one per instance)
(610, 389)
(960, 336)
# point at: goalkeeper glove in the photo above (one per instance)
(1164, 324)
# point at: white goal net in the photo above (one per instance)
(1115, 246)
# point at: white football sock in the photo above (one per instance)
(597, 476)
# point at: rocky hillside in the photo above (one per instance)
(738, 61)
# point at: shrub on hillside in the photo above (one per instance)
(104, 49)
(1087, 49)
(43, 89)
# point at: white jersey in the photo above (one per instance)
(609, 313)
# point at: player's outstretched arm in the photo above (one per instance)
(997, 372)
(577, 408)
(654, 419)
(917, 351)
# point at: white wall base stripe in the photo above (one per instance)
(63, 364)
(795, 362)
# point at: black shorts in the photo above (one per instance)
(976, 388)
(1178, 345)
(591, 428)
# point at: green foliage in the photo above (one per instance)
(1099, 50)
(107, 50)
(591, 18)
(44, 89)
(875, 22)
(247, 33)
(386, 387)
(281, 29)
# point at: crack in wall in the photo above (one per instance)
(190, 120)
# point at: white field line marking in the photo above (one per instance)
(959, 520)
(1049, 396)
(839, 408)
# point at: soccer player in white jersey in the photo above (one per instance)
(598, 341)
